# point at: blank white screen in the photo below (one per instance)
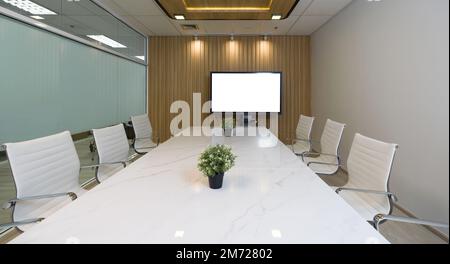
(246, 92)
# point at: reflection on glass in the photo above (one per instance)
(84, 19)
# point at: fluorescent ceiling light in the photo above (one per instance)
(30, 7)
(276, 17)
(37, 17)
(179, 17)
(141, 57)
(39, 24)
(107, 41)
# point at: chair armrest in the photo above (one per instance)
(323, 163)
(381, 218)
(13, 202)
(307, 140)
(20, 223)
(298, 139)
(318, 153)
(389, 194)
(124, 163)
(157, 140)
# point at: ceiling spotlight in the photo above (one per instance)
(195, 38)
(231, 37)
(265, 37)
(276, 17)
(179, 17)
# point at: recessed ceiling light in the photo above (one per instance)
(276, 233)
(37, 17)
(276, 17)
(141, 57)
(30, 7)
(179, 17)
(179, 234)
(107, 41)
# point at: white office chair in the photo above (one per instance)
(112, 148)
(369, 165)
(302, 142)
(143, 131)
(46, 174)
(326, 161)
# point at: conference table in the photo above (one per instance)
(269, 197)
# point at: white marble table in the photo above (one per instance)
(270, 196)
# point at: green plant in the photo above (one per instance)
(215, 160)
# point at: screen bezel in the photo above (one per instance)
(247, 72)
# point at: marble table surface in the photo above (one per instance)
(269, 197)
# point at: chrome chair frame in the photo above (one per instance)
(143, 153)
(381, 218)
(20, 223)
(391, 196)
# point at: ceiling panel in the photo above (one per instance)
(159, 25)
(306, 25)
(113, 7)
(140, 7)
(326, 7)
(301, 7)
(148, 18)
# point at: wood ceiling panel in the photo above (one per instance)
(228, 9)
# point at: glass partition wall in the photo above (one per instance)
(86, 20)
(65, 65)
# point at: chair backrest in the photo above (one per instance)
(369, 165)
(304, 127)
(142, 126)
(112, 146)
(331, 137)
(48, 165)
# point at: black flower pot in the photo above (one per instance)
(216, 181)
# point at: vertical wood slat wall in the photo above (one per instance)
(181, 66)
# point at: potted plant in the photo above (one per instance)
(214, 162)
(228, 125)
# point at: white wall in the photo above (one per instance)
(383, 69)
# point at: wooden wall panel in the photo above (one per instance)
(181, 66)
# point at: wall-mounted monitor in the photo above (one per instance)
(246, 92)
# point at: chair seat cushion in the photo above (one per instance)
(144, 145)
(366, 204)
(106, 171)
(300, 147)
(322, 168)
